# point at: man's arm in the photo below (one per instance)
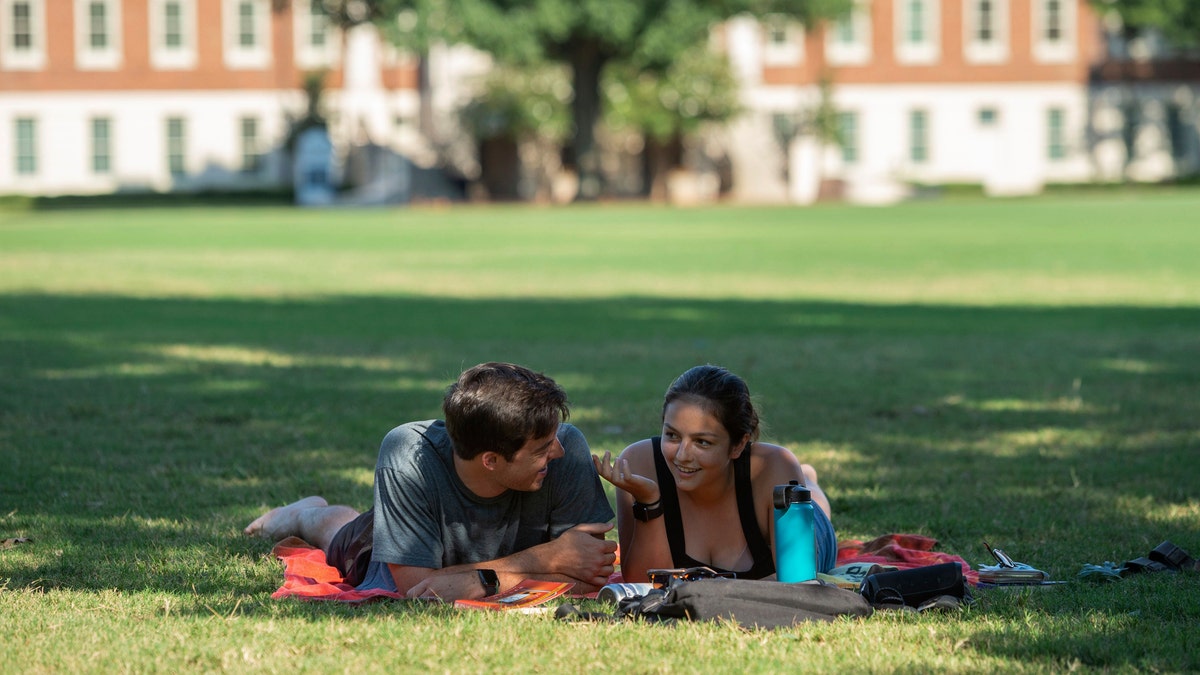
(581, 555)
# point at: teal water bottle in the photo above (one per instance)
(795, 547)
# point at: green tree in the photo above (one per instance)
(516, 106)
(665, 108)
(1178, 20)
(584, 34)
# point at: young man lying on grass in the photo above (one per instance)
(503, 484)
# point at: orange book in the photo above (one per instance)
(525, 596)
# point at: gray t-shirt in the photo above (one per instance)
(426, 517)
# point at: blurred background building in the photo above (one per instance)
(100, 96)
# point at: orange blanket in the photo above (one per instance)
(307, 576)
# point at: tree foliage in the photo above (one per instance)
(520, 103)
(584, 34)
(1178, 20)
(697, 87)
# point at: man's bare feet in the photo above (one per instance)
(283, 521)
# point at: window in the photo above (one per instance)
(988, 117)
(101, 145)
(784, 41)
(247, 36)
(23, 43)
(985, 27)
(22, 26)
(247, 27)
(848, 42)
(918, 136)
(97, 34)
(25, 131)
(917, 31)
(251, 157)
(316, 39)
(97, 26)
(1056, 145)
(1053, 30)
(985, 22)
(847, 125)
(176, 146)
(172, 27)
(172, 34)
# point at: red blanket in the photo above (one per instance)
(307, 576)
(902, 551)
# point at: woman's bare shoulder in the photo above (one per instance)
(775, 461)
(639, 454)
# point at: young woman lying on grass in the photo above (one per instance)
(700, 494)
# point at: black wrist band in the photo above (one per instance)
(647, 512)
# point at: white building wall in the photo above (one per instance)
(138, 155)
(1011, 155)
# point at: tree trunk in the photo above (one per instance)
(586, 64)
(658, 160)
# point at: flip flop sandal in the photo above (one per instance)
(1172, 556)
(1166, 557)
(1144, 565)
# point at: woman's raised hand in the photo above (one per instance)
(617, 472)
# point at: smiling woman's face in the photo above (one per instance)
(696, 446)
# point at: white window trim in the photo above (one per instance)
(308, 55)
(855, 53)
(928, 51)
(91, 58)
(1062, 51)
(33, 58)
(996, 51)
(238, 57)
(166, 58)
(791, 52)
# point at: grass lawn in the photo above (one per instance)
(1025, 372)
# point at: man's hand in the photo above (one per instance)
(449, 587)
(583, 553)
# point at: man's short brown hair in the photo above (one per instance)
(498, 407)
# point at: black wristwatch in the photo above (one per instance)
(490, 582)
(647, 512)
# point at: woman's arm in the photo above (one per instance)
(644, 544)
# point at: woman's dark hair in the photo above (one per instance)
(498, 407)
(722, 394)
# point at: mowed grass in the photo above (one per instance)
(1025, 372)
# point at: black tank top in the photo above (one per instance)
(760, 551)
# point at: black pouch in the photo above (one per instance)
(915, 587)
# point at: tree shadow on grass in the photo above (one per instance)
(1040, 425)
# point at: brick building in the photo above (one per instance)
(1010, 94)
(106, 95)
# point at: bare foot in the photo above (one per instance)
(282, 521)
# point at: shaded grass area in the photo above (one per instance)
(139, 434)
